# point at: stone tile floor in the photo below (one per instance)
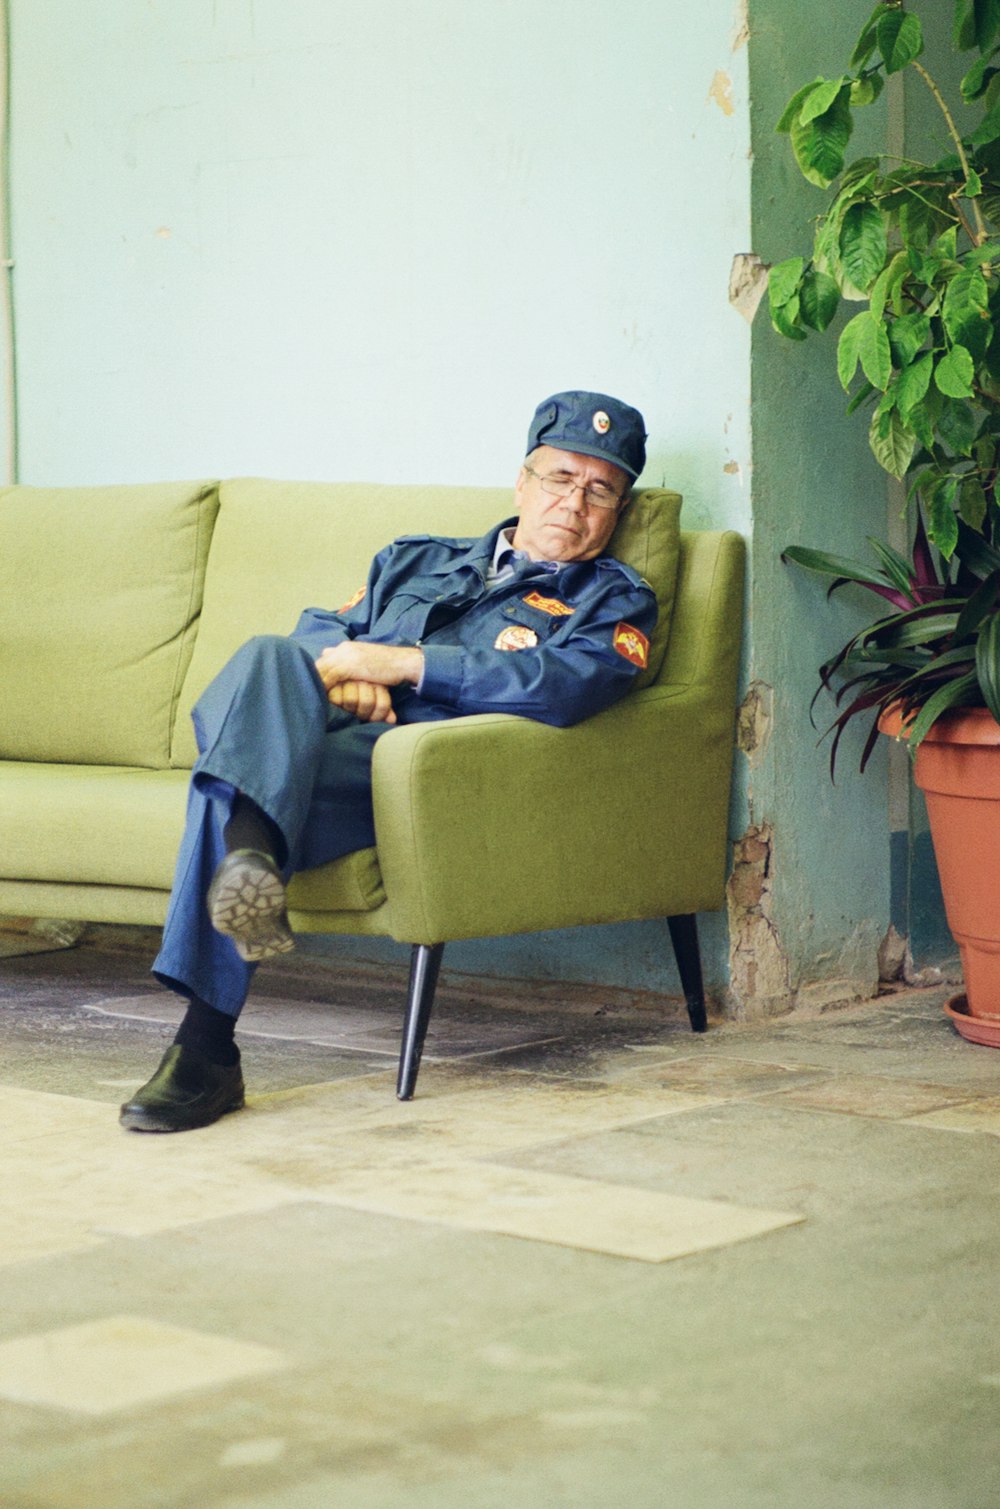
(597, 1261)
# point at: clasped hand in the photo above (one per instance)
(357, 676)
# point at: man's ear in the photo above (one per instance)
(519, 486)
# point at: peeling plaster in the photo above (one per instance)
(747, 284)
(758, 966)
(755, 720)
(741, 25)
(895, 962)
(721, 91)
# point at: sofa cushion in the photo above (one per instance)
(102, 825)
(100, 589)
(324, 536)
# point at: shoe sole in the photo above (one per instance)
(247, 904)
(147, 1121)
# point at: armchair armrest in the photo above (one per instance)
(493, 824)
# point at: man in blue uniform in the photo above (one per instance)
(533, 619)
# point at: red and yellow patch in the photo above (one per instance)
(550, 605)
(515, 637)
(633, 644)
(352, 602)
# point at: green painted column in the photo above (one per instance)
(810, 892)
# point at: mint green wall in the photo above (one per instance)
(307, 238)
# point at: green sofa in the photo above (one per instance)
(118, 604)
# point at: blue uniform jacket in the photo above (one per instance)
(557, 643)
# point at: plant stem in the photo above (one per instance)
(980, 236)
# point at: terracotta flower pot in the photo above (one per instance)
(958, 769)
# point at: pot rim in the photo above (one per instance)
(964, 725)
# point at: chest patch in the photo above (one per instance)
(515, 637)
(550, 605)
(632, 643)
(352, 602)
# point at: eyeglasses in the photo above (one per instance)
(597, 495)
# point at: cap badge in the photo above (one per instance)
(601, 422)
(515, 637)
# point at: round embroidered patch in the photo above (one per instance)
(515, 637)
(601, 422)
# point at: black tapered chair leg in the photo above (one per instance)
(425, 964)
(684, 937)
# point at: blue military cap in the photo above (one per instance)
(591, 424)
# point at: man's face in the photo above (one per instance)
(573, 526)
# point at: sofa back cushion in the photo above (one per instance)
(279, 547)
(100, 589)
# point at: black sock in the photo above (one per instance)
(210, 1032)
(250, 828)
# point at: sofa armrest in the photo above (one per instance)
(491, 825)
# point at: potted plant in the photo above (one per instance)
(916, 245)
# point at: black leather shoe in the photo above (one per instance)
(246, 902)
(186, 1091)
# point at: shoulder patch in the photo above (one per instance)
(551, 605)
(632, 643)
(352, 602)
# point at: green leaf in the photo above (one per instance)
(946, 246)
(837, 566)
(863, 244)
(913, 382)
(942, 525)
(964, 27)
(873, 351)
(976, 80)
(907, 336)
(988, 252)
(977, 554)
(957, 427)
(894, 450)
(896, 566)
(785, 319)
(988, 663)
(978, 605)
(867, 90)
(988, 129)
(957, 693)
(976, 23)
(819, 144)
(923, 417)
(972, 502)
(965, 311)
(819, 99)
(866, 42)
(790, 114)
(900, 39)
(783, 280)
(818, 300)
(921, 218)
(849, 348)
(864, 393)
(973, 185)
(954, 373)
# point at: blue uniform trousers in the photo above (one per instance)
(264, 727)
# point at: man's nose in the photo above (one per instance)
(576, 497)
